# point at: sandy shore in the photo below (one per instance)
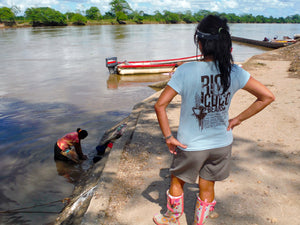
(264, 184)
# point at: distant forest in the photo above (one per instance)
(121, 13)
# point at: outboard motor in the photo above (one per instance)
(111, 64)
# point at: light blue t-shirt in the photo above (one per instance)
(204, 109)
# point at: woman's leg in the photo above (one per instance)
(60, 155)
(175, 204)
(206, 190)
(205, 201)
(176, 188)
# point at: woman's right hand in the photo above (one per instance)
(172, 143)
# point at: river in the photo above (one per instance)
(54, 80)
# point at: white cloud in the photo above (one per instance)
(275, 8)
(94, 1)
(231, 4)
(80, 7)
(150, 6)
(23, 5)
(30, 2)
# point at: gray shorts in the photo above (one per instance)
(212, 165)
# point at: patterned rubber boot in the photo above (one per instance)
(175, 210)
(203, 208)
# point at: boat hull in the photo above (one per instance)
(134, 71)
(146, 67)
(267, 44)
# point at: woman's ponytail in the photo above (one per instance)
(223, 57)
(213, 34)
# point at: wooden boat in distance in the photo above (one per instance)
(269, 44)
(145, 67)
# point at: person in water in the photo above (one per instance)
(202, 148)
(69, 146)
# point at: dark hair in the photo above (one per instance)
(82, 133)
(213, 34)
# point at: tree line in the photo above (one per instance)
(121, 13)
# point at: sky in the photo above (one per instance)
(267, 8)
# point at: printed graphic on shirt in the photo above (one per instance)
(210, 103)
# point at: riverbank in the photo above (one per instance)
(89, 23)
(262, 188)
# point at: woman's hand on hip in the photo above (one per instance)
(233, 123)
(172, 143)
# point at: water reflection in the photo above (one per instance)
(120, 32)
(70, 171)
(114, 81)
(48, 31)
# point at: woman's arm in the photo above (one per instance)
(264, 98)
(160, 108)
(79, 151)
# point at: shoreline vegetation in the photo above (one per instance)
(89, 23)
(94, 23)
(120, 13)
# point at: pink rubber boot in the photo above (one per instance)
(203, 208)
(175, 210)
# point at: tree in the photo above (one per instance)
(79, 19)
(158, 16)
(45, 16)
(121, 16)
(280, 20)
(171, 17)
(138, 17)
(120, 5)
(247, 18)
(260, 19)
(93, 13)
(293, 18)
(232, 18)
(198, 16)
(69, 15)
(109, 15)
(121, 9)
(7, 16)
(188, 17)
(148, 17)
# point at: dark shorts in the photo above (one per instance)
(58, 155)
(212, 165)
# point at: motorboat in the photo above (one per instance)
(146, 67)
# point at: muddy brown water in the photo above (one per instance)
(54, 80)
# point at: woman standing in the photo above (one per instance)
(204, 140)
(69, 146)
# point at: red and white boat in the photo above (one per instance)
(145, 67)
